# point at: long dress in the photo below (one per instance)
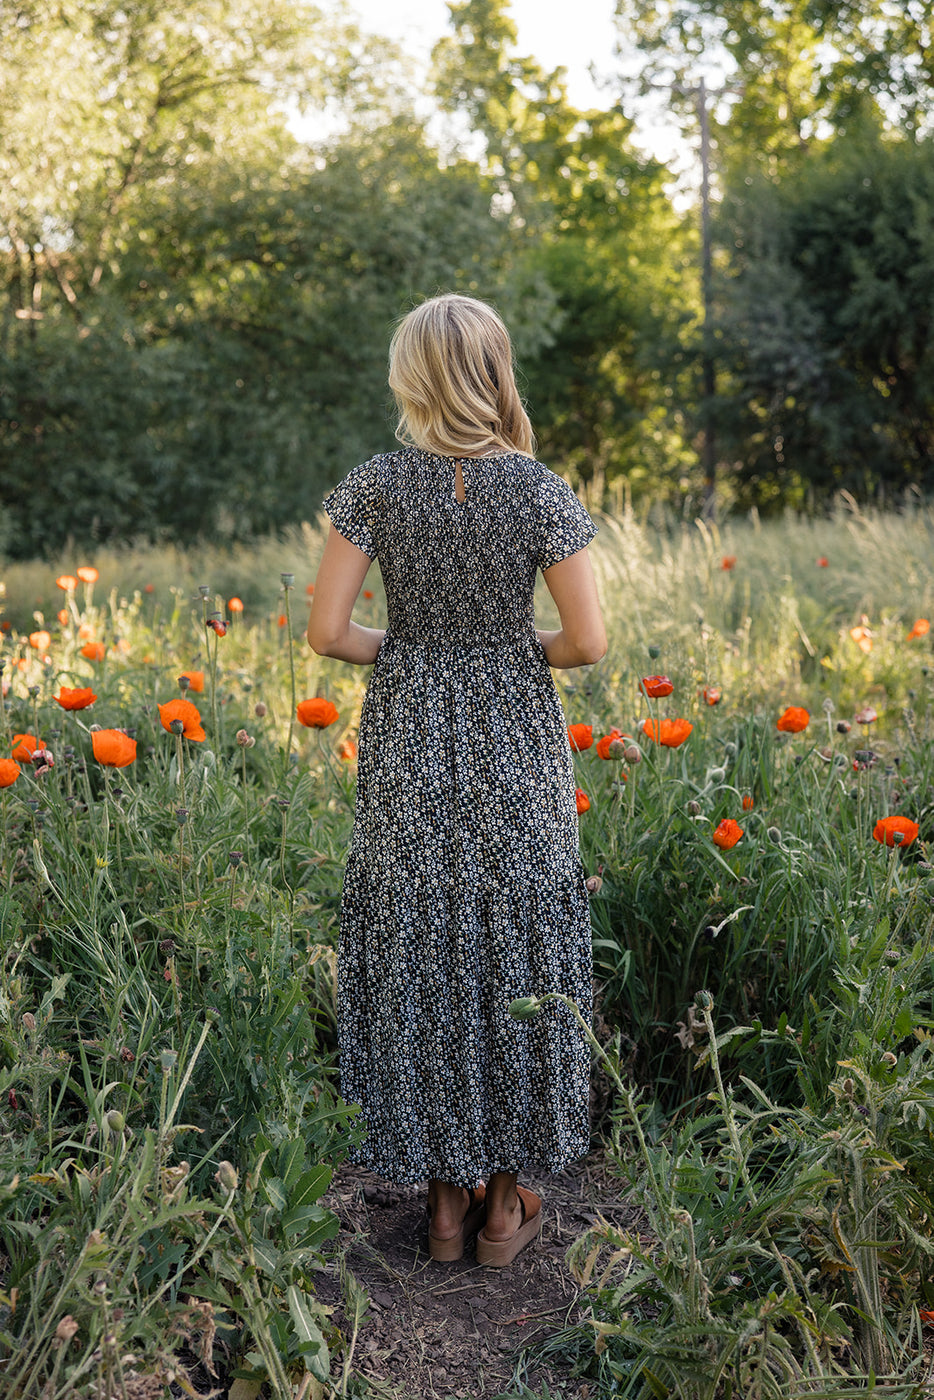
(463, 888)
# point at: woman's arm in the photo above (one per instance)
(340, 577)
(581, 639)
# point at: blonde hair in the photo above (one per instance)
(451, 373)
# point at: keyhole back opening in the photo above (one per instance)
(460, 491)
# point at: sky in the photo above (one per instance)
(574, 33)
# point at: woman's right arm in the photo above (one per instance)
(581, 639)
(331, 632)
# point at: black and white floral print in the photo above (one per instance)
(463, 888)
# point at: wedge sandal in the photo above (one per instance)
(496, 1254)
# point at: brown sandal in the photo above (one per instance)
(496, 1254)
(446, 1251)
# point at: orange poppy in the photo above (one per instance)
(75, 697)
(748, 803)
(728, 561)
(711, 694)
(25, 745)
(218, 626)
(582, 801)
(921, 628)
(862, 637)
(580, 736)
(310, 589)
(603, 745)
(282, 620)
(87, 573)
(793, 720)
(823, 562)
(67, 582)
(195, 679)
(727, 834)
(185, 711)
(9, 772)
(235, 605)
(63, 616)
(94, 651)
(149, 588)
(113, 748)
(347, 750)
(895, 831)
(671, 733)
(656, 687)
(41, 641)
(316, 713)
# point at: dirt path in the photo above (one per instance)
(456, 1331)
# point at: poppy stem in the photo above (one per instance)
(214, 722)
(288, 628)
(180, 761)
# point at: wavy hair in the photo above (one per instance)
(452, 376)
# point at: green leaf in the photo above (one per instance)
(307, 1334)
(310, 1187)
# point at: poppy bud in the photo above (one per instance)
(244, 740)
(828, 706)
(29, 1022)
(259, 710)
(632, 754)
(889, 1059)
(524, 1008)
(181, 815)
(694, 809)
(226, 1176)
(65, 1330)
(867, 715)
(115, 1120)
(716, 775)
(704, 1000)
(774, 835)
(593, 884)
(616, 749)
(843, 726)
(848, 1087)
(235, 858)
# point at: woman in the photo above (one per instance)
(463, 888)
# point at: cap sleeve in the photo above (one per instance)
(353, 507)
(564, 526)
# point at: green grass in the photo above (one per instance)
(168, 931)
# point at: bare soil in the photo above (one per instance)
(457, 1331)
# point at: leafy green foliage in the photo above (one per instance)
(825, 335)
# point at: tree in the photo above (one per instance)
(827, 330)
(590, 217)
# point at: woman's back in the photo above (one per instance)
(459, 572)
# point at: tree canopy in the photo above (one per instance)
(196, 300)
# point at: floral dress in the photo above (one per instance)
(463, 888)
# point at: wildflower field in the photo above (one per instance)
(755, 776)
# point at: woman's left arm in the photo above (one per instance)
(340, 577)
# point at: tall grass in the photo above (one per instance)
(167, 943)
